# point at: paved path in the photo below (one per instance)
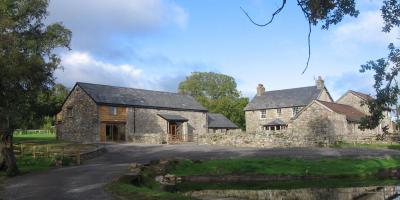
(87, 181)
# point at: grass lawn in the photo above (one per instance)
(35, 138)
(394, 145)
(43, 143)
(333, 167)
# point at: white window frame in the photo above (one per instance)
(263, 114)
(113, 110)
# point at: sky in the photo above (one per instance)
(155, 44)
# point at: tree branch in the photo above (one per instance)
(307, 15)
(272, 18)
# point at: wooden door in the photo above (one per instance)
(173, 132)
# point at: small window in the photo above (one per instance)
(113, 110)
(69, 112)
(263, 114)
(279, 111)
(295, 110)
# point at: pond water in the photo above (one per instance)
(359, 193)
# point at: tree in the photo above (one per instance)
(27, 64)
(331, 12)
(218, 93)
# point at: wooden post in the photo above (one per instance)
(34, 151)
(78, 156)
(22, 149)
(47, 150)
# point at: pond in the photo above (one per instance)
(370, 193)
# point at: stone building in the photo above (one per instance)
(218, 123)
(273, 110)
(100, 113)
(309, 111)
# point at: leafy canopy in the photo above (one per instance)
(218, 93)
(27, 63)
(27, 58)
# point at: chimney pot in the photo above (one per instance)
(260, 90)
(320, 83)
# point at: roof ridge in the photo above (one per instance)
(334, 103)
(176, 93)
(290, 89)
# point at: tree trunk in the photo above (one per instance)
(9, 162)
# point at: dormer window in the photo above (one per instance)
(113, 110)
(263, 114)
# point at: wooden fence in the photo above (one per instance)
(50, 151)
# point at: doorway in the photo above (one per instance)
(174, 132)
(115, 132)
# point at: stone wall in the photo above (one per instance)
(83, 124)
(146, 138)
(143, 122)
(315, 126)
(317, 121)
(257, 139)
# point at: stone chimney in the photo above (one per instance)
(320, 83)
(260, 90)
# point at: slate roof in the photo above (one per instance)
(216, 120)
(352, 114)
(105, 94)
(275, 122)
(284, 98)
(176, 118)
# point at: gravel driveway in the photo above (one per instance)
(86, 181)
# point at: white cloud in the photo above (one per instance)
(81, 66)
(366, 29)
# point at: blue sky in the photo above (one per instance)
(155, 44)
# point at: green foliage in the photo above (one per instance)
(27, 59)
(29, 164)
(218, 93)
(333, 167)
(327, 12)
(386, 87)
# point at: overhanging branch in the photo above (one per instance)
(270, 20)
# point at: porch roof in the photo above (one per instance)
(175, 118)
(275, 122)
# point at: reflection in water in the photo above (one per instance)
(359, 193)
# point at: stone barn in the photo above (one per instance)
(100, 113)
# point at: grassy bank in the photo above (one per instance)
(340, 172)
(335, 167)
